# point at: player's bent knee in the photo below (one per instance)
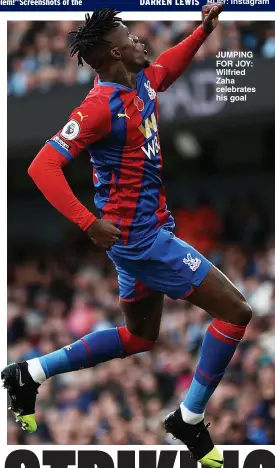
(150, 333)
(244, 312)
(134, 344)
(247, 312)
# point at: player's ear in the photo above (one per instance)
(115, 53)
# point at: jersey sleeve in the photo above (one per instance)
(47, 174)
(173, 62)
(88, 123)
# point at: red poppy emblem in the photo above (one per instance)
(139, 103)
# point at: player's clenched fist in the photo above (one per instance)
(103, 233)
(210, 14)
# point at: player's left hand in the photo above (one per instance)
(210, 16)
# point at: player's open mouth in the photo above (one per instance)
(144, 49)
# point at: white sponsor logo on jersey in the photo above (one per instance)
(152, 147)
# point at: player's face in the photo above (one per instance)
(132, 51)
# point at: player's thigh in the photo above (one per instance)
(143, 317)
(140, 305)
(219, 296)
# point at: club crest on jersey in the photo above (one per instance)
(71, 130)
(151, 92)
(193, 263)
(139, 103)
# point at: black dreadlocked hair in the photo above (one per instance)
(93, 31)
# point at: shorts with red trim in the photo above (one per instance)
(170, 266)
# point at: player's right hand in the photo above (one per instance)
(210, 15)
(103, 233)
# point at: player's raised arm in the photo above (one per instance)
(173, 62)
(86, 125)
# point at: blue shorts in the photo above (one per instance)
(170, 266)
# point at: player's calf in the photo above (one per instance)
(91, 350)
(23, 379)
(217, 295)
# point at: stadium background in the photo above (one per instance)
(219, 173)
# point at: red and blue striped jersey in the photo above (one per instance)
(118, 126)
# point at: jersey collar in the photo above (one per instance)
(117, 85)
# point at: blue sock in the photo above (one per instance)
(219, 345)
(90, 350)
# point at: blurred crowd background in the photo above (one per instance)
(61, 287)
(56, 296)
(38, 52)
